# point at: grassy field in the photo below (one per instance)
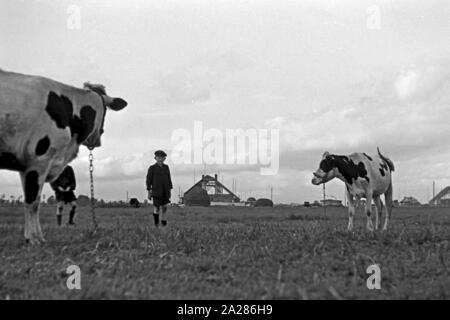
(228, 253)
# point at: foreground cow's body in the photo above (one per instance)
(365, 176)
(42, 125)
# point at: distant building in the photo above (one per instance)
(410, 202)
(209, 191)
(442, 198)
(250, 202)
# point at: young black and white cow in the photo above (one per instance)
(42, 125)
(364, 176)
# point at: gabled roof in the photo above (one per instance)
(208, 178)
(442, 193)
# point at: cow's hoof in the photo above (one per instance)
(31, 242)
(36, 240)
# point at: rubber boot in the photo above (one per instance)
(156, 219)
(71, 216)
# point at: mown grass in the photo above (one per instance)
(228, 253)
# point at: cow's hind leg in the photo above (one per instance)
(351, 211)
(378, 211)
(388, 197)
(32, 185)
(368, 210)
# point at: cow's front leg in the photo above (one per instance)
(369, 210)
(32, 185)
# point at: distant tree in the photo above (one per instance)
(263, 202)
(84, 201)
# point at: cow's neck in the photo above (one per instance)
(341, 177)
(341, 169)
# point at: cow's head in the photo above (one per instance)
(327, 170)
(115, 104)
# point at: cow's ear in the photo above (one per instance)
(115, 104)
(326, 154)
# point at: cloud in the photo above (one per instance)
(423, 81)
(405, 110)
(197, 81)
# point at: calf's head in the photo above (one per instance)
(115, 104)
(327, 170)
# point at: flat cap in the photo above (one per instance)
(160, 153)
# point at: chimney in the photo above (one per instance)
(203, 177)
(215, 177)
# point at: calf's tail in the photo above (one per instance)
(387, 160)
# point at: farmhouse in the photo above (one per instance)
(410, 202)
(209, 191)
(442, 198)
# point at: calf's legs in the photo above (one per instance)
(368, 210)
(351, 211)
(388, 197)
(378, 211)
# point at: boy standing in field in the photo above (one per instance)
(64, 187)
(159, 184)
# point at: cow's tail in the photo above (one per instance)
(387, 160)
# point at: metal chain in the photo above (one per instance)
(91, 170)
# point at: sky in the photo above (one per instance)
(337, 76)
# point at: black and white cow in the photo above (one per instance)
(364, 176)
(42, 125)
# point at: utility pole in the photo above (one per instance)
(324, 204)
(271, 193)
(434, 189)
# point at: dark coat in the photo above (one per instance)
(159, 181)
(65, 180)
